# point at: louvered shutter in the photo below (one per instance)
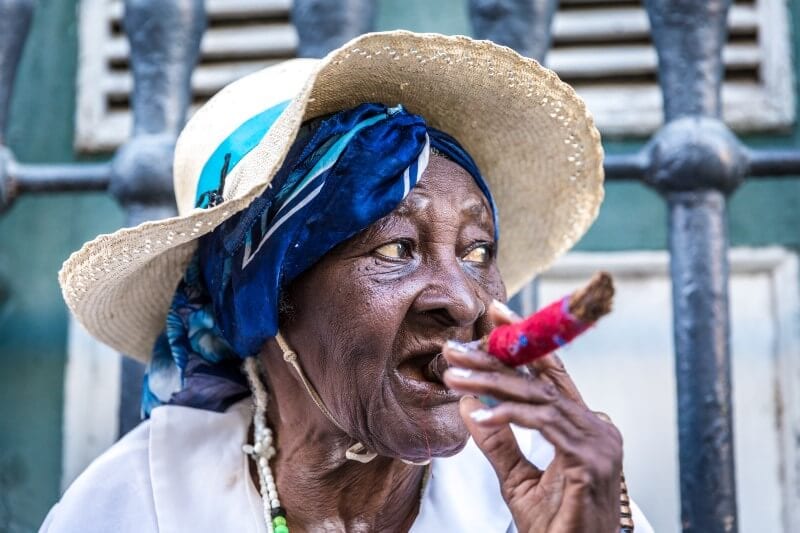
(602, 47)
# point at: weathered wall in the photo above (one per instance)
(40, 232)
(35, 237)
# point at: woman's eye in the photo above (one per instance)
(480, 254)
(394, 250)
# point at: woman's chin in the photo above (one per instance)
(439, 447)
(437, 432)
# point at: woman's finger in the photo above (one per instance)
(547, 418)
(501, 314)
(552, 368)
(499, 445)
(464, 356)
(501, 386)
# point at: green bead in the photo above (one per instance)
(281, 529)
(279, 521)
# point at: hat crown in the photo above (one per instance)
(218, 119)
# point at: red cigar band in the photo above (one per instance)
(536, 336)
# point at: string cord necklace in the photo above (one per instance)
(263, 448)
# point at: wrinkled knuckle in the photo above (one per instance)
(549, 391)
(548, 416)
(582, 477)
(536, 391)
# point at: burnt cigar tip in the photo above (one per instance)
(594, 300)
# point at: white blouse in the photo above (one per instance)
(184, 470)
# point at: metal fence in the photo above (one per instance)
(694, 161)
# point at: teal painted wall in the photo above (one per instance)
(40, 231)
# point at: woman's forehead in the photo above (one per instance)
(445, 180)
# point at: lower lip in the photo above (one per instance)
(424, 393)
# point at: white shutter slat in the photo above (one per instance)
(268, 40)
(225, 8)
(206, 79)
(604, 61)
(599, 2)
(628, 22)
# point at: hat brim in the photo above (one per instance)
(530, 134)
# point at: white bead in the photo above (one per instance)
(273, 495)
(274, 503)
(269, 479)
(257, 448)
(263, 462)
(271, 451)
(271, 485)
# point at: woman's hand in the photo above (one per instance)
(579, 491)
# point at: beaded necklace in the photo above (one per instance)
(263, 450)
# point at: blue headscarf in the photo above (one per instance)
(343, 173)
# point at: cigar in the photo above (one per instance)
(435, 369)
(553, 326)
(545, 330)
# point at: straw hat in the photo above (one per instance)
(529, 133)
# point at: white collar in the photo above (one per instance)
(201, 480)
(199, 473)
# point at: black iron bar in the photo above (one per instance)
(625, 167)
(323, 25)
(76, 177)
(15, 21)
(694, 162)
(774, 163)
(699, 270)
(59, 177)
(73, 177)
(524, 25)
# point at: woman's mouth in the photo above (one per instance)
(434, 370)
(421, 382)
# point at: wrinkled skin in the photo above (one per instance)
(361, 321)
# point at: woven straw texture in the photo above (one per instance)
(530, 134)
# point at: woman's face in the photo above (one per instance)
(368, 317)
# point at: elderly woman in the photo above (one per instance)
(338, 232)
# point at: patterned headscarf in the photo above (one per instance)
(343, 173)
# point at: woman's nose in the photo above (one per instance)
(451, 297)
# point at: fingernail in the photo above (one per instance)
(481, 415)
(457, 346)
(460, 372)
(504, 309)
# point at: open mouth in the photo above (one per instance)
(424, 367)
(421, 376)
